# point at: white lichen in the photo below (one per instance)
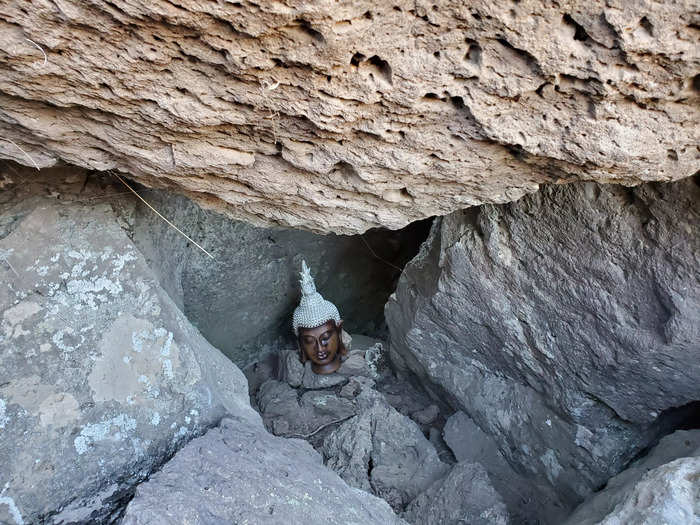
(101, 431)
(14, 511)
(4, 418)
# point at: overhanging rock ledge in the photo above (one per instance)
(342, 116)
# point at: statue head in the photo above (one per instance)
(318, 328)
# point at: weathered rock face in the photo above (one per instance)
(563, 324)
(465, 495)
(342, 116)
(102, 378)
(661, 487)
(526, 499)
(243, 299)
(238, 473)
(383, 451)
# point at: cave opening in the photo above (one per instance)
(242, 300)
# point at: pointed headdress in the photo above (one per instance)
(313, 310)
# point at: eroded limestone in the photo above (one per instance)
(338, 117)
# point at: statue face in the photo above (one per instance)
(322, 345)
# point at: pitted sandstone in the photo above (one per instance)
(341, 116)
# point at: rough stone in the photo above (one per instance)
(564, 324)
(314, 381)
(327, 406)
(341, 117)
(291, 368)
(658, 488)
(427, 415)
(357, 364)
(242, 301)
(465, 495)
(355, 385)
(277, 402)
(467, 441)
(668, 494)
(102, 378)
(238, 473)
(287, 414)
(528, 500)
(260, 371)
(383, 451)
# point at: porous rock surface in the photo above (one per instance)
(661, 487)
(563, 324)
(340, 116)
(238, 473)
(102, 378)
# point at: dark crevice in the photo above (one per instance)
(647, 26)
(357, 272)
(686, 417)
(525, 56)
(382, 67)
(580, 33)
(305, 26)
(356, 59)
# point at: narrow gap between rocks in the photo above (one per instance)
(242, 301)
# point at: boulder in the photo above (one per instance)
(657, 488)
(340, 118)
(238, 473)
(383, 451)
(365, 359)
(427, 415)
(465, 495)
(288, 413)
(527, 500)
(668, 494)
(467, 441)
(102, 378)
(564, 324)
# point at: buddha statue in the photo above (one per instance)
(318, 328)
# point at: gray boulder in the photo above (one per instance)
(287, 412)
(102, 378)
(238, 473)
(467, 441)
(527, 499)
(564, 324)
(362, 362)
(383, 451)
(465, 495)
(658, 488)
